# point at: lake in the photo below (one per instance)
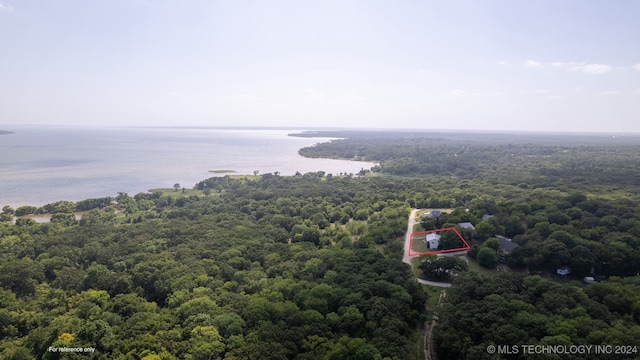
(40, 165)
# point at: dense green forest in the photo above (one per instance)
(569, 202)
(272, 268)
(515, 309)
(309, 266)
(533, 160)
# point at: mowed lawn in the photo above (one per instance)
(418, 245)
(474, 266)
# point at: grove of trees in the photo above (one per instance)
(276, 268)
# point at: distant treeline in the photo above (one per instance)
(541, 138)
(531, 164)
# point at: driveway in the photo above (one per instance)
(407, 244)
(407, 237)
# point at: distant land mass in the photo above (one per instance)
(2, 132)
(478, 136)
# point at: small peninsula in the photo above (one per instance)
(3, 132)
(223, 171)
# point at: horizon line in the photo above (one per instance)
(331, 128)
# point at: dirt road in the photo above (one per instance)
(407, 245)
(429, 351)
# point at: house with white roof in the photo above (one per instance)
(433, 241)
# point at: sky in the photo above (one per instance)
(540, 65)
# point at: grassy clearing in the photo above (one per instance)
(418, 245)
(474, 266)
(434, 295)
(245, 177)
(177, 193)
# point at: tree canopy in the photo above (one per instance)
(309, 266)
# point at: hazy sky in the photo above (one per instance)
(570, 65)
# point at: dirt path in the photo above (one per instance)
(407, 237)
(407, 245)
(429, 350)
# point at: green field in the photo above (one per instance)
(432, 299)
(418, 245)
(474, 266)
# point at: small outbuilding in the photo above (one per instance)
(434, 214)
(467, 225)
(433, 241)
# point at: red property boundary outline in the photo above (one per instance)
(466, 247)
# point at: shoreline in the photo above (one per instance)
(44, 217)
(106, 168)
(183, 191)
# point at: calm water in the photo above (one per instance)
(40, 165)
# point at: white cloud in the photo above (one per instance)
(565, 64)
(541, 91)
(502, 63)
(421, 73)
(5, 7)
(576, 66)
(533, 64)
(457, 92)
(636, 67)
(595, 69)
(610, 93)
